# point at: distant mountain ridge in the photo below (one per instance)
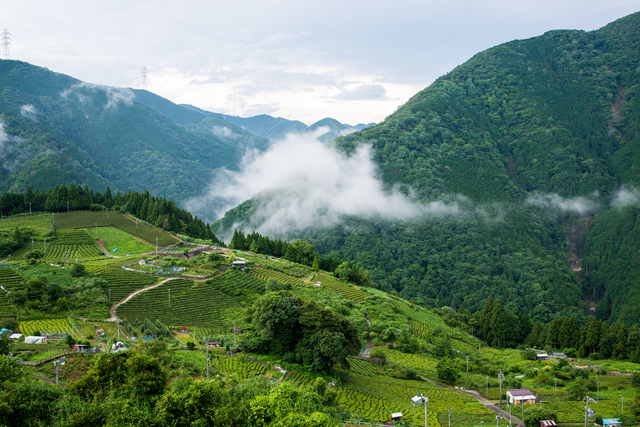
(276, 128)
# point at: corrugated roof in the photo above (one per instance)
(519, 392)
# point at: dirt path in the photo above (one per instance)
(112, 310)
(369, 345)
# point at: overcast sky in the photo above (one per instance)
(355, 61)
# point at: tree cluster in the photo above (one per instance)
(301, 332)
(299, 251)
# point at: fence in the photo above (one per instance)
(48, 359)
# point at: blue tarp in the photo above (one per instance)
(115, 250)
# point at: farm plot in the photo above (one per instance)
(369, 395)
(362, 367)
(87, 219)
(236, 283)
(56, 253)
(10, 281)
(190, 304)
(47, 327)
(237, 366)
(124, 242)
(421, 330)
(263, 274)
(285, 267)
(72, 237)
(123, 282)
(354, 294)
(422, 365)
(298, 379)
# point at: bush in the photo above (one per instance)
(447, 371)
(191, 345)
(533, 417)
(529, 355)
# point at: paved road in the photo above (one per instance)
(480, 399)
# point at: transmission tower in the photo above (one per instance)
(144, 78)
(6, 42)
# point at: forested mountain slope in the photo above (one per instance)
(58, 130)
(518, 130)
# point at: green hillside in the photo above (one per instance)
(552, 115)
(62, 131)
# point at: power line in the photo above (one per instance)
(6, 42)
(144, 78)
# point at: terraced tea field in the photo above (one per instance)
(264, 274)
(123, 282)
(298, 379)
(11, 281)
(363, 367)
(420, 364)
(374, 398)
(193, 304)
(56, 253)
(421, 330)
(352, 293)
(72, 237)
(235, 283)
(237, 366)
(47, 326)
(88, 219)
(285, 267)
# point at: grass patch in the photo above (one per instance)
(125, 243)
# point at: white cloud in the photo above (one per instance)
(625, 196)
(115, 95)
(29, 111)
(579, 205)
(302, 183)
(223, 132)
(10, 154)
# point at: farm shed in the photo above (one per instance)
(6, 331)
(559, 355)
(240, 264)
(542, 356)
(100, 332)
(35, 340)
(80, 348)
(213, 343)
(142, 262)
(15, 336)
(611, 422)
(522, 396)
(184, 329)
(547, 423)
(396, 416)
(317, 283)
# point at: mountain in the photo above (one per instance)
(59, 130)
(277, 128)
(529, 138)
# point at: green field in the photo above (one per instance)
(349, 292)
(39, 221)
(48, 326)
(236, 366)
(193, 304)
(236, 283)
(286, 267)
(88, 220)
(264, 274)
(10, 281)
(125, 243)
(122, 282)
(56, 253)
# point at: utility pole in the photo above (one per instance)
(586, 413)
(144, 78)
(109, 295)
(29, 209)
(555, 388)
(96, 225)
(501, 376)
(467, 383)
(487, 387)
(169, 297)
(234, 332)
(6, 42)
(156, 246)
(450, 416)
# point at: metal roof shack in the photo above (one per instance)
(522, 396)
(611, 422)
(547, 423)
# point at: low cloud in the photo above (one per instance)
(11, 155)
(115, 95)
(579, 205)
(29, 111)
(625, 196)
(223, 132)
(301, 183)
